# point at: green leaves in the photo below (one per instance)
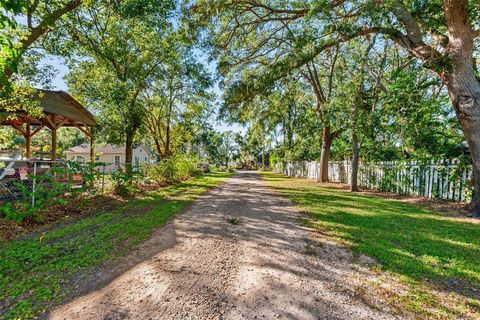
(120, 48)
(8, 52)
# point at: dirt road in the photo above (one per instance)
(240, 252)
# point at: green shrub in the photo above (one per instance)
(163, 172)
(50, 186)
(174, 169)
(19, 211)
(225, 169)
(275, 160)
(125, 184)
(47, 191)
(187, 167)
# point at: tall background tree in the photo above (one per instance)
(175, 97)
(23, 27)
(115, 50)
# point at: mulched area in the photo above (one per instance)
(77, 206)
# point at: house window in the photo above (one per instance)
(145, 158)
(117, 160)
(97, 158)
(79, 159)
(136, 161)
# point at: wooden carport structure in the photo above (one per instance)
(59, 109)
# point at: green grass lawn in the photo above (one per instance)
(34, 270)
(408, 241)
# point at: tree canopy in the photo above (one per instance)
(309, 80)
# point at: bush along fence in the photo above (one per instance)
(443, 179)
(29, 184)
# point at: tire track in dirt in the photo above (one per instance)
(263, 267)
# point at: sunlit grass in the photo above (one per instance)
(409, 241)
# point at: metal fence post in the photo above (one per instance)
(34, 183)
(69, 177)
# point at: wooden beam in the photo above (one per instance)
(37, 130)
(54, 140)
(28, 140)
(92, 146)
(62, 123)
(49, 123)
(19, 129)
(88, 134)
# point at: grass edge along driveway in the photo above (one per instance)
(35, 271)
(429, 252)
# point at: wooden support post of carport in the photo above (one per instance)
(28, 135)
(54, 139)
(50, 122)
(28, 138)
(92, 144)
(28, 141)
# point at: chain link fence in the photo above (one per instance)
(33, 181)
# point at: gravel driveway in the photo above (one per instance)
(240, 252)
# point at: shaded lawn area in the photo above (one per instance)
(35, 271)
(407, 240)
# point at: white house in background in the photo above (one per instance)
(110, 154)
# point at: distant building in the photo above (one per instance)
(110, 154)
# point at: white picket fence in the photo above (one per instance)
(445, 179)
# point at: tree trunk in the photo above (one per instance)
(167, 142)
(464, 90)
(158, 147)
(463, 85)
(129, 150)
(289, 130)
(355, 162)
(325, 154)
(475, 204)
(167, 152)
(355, 142)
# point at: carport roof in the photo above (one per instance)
(66, 111)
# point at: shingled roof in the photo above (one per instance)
(106, 149)
(63, 104)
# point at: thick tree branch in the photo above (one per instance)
(42, 28)
(413, 40)
(460, 31)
